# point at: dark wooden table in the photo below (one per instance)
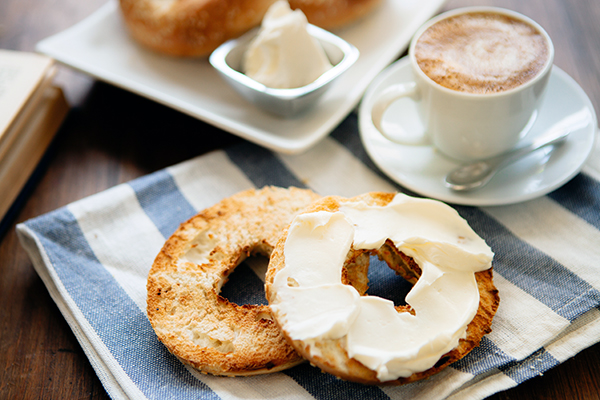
(112, 136)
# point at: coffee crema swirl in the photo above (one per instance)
(482, 52)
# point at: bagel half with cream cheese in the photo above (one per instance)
(317, 281)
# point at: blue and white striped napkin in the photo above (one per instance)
(94, 256)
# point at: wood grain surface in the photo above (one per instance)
(112, 136)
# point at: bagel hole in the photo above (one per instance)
(246, 284)
(385, 283)
(384, 272)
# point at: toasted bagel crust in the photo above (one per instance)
(196, 324)
(194, 28)
(333, 357)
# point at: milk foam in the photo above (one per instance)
(481, 52)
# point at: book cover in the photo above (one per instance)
(31, 112)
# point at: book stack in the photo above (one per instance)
(31, 111)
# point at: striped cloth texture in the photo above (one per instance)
(94, 256)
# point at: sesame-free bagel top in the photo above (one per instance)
(317, 278)
(196, 324)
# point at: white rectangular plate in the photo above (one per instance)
(101, 47)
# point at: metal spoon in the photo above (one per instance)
(477, 174)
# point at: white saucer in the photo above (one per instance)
(422, 169)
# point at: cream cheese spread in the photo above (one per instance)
(284, 54)
(313, 304)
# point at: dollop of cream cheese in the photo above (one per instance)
(284, 55)
(313, 304)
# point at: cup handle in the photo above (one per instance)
(382, 103)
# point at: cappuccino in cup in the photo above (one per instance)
(477, 78)
(481, 52)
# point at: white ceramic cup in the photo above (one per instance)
(462, 125)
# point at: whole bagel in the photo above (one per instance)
(194, 28)
(196, 324)
(329, 352)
